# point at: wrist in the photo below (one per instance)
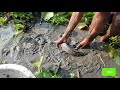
(66, 35)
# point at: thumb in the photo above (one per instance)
(65, 40)
(58, 42)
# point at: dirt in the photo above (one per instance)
(30, 46)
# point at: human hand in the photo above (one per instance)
(61, 40)
(84, 43)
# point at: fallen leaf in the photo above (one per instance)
(113, 54)
(38, 63)
(117, 58)
(111, 51)
(47, 15)
(82, 25)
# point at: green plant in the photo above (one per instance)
(19, 20)
(113, 54)
(61, 18)
(114, 41)
(42, 73)
(19, 29)
(47, 15)
(87, 17)
(2, 20)
(48, 73)
(86, 20)
(56, 17)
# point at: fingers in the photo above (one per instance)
(84, 43)
(81, 46)
(60, 41)
(104, 38)
(57, 43)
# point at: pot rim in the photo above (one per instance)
(17, 67)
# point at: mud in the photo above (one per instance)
(30, 46)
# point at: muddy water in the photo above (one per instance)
(5, 35)
(30, 46)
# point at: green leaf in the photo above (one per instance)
(114, 41)
(87, 18)
(82, 25)
(38, 63)
(56, 76)
(38, 74)
(117, 58)
(17, 33)
(72, 75)
(43, 74)
(111, 51)
(113, 54)
(89, 14)
(41, 59)
(19, 27)
(46, 73)
(35, 63)
(47, 15)
(2, 20)
(16, 21)
(56, 70)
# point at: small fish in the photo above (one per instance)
(67, 49)
(71, 51)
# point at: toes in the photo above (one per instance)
(104, 39)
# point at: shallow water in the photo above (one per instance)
(30, 46)
(5, 35)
